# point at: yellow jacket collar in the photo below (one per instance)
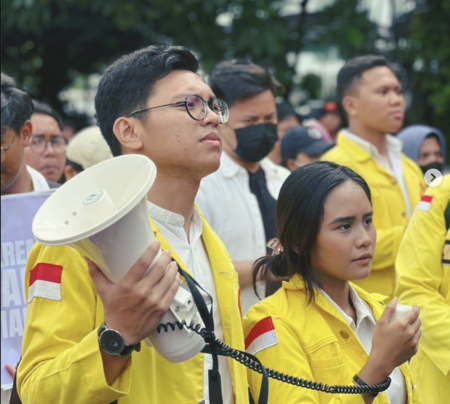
(356, 152)
(374, 300)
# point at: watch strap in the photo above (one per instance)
(127, 349)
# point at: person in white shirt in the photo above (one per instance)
(239, 199)
(17, 108)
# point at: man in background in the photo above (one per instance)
(302, 145)
(239, 200)
(46, 152)
(372, 97)
(17, 108)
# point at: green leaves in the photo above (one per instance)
(47, 42)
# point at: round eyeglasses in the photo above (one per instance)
(39, 144)
(197, 108)
(3, 153)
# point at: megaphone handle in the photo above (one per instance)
(215, 387)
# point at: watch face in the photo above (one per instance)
(112, 342)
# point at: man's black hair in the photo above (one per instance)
(16, 105)
(45, 109)
(285, 110)
(354, 69)
(128, 83)
(232, 81)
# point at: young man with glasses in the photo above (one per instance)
(47, 150)
(17, 109)
(151, 102)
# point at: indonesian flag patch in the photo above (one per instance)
(262, 336)
(425, 203)
(45, 282)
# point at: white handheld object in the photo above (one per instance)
(102, 212)
(400, 311)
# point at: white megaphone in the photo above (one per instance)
(102, 212)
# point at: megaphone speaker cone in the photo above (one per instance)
(102, 212)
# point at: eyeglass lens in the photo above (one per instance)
(197, 108)
(39, 144)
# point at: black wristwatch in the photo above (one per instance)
(112, 342)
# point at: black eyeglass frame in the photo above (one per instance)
(47, 141)
(5, 150)
(208, 103)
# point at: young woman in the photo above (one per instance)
(319, 326)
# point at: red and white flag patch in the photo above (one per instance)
(262, 336)
(45, 282)
(425, 203)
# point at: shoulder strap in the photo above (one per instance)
(447, 216)
(15, 399)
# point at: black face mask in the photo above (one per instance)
(434, 165)
(256, 142)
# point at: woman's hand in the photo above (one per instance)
(395, 342)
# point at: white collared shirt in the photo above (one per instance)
(195, 257)
(233, 212)
(364, 329)
(39, 181)
(393, 165)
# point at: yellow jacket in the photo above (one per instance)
(424, 280)
(390, 215)
(315, 343)
(62, 363)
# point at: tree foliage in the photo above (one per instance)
(46, 43)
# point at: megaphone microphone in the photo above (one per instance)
(102, 213)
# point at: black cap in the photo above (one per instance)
(302, 139)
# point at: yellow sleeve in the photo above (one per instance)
(287, 357)
(61, 359)
(420, 275)
(388, 244)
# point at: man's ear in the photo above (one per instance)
(291, 165)
(350, 105)
(128, 132)
(25, 133)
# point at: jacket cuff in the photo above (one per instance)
(91, 362)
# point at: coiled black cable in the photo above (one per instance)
(251, 362)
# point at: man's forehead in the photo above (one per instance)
(45, 124)
(181, 83)
(378, 76)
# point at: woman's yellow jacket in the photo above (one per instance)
(423, 269)
(315, 343)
